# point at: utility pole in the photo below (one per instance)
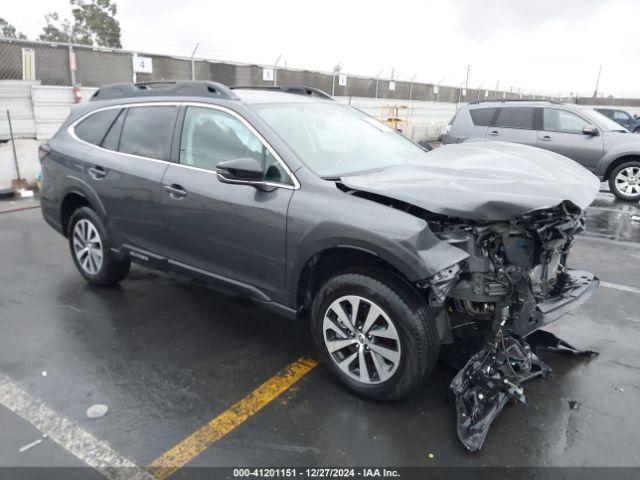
(595, 92)
(336, 71)
(495, 93)
(275, 71)
(193, 63)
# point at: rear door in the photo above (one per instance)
(514, 124)
(561, 132)
(125, 169)
(233, 234)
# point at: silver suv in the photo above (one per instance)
(577, 132)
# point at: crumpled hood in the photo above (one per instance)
(483, 181)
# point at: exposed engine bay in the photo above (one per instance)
(491, 306)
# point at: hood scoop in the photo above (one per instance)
(486, 181)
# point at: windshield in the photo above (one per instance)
(335, 140)
(603, 121)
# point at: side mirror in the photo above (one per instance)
(246, 171)
(590, 130)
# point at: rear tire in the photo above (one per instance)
(398, 348)
(91, 251)
(624, 181)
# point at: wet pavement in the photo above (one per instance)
(167, 357)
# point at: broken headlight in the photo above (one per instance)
(441, 283)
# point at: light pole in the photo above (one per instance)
(275, 71)
(595, 92)
(479, 88)
(378, 78)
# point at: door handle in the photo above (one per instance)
(493, 132)
(97, 173)
(175, 191)
(546, 138)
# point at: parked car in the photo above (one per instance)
(625, 119)
(317, 211)
(577, 132)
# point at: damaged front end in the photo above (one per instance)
(514, 282)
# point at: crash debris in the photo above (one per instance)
(495, 374)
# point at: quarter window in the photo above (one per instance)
(482, 117)
(147, 131)
(211, 136)
(112, 139)
(556, 120)
(516, 117)
(94, 128)
(618, 115)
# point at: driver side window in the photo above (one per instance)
(557, 120)
(210, 136)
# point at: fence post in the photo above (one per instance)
(193, 63)
(73, 66)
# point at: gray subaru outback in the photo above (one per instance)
(317, 211)
(578, 132)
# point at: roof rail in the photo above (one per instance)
(188, 88)
(295, 89)
(505, 100)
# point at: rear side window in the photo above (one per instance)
(94, 128)
(516, 117)
(482, 117)
(147, 131)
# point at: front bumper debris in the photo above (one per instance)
(494, 375)
(577, 287)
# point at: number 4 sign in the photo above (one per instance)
(142, 64)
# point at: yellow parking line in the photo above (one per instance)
(224, 423)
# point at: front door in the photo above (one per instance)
(562, 132)
(235, 233)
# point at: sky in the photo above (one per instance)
(552, 47)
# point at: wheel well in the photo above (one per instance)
(620, 161)
(70, 203)
(334, 261)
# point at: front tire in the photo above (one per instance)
(374, 333)
(624, 181)
(91, 252)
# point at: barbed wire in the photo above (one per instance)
(159, 47)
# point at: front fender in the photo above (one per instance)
(399, 238)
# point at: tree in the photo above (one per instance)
(93, 23)
(9, 31)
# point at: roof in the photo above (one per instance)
(249, 95)
(519, 103)
(209, 90)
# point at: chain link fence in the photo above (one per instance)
(55, 63)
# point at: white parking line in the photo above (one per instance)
(69, 435)
(624, 288)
